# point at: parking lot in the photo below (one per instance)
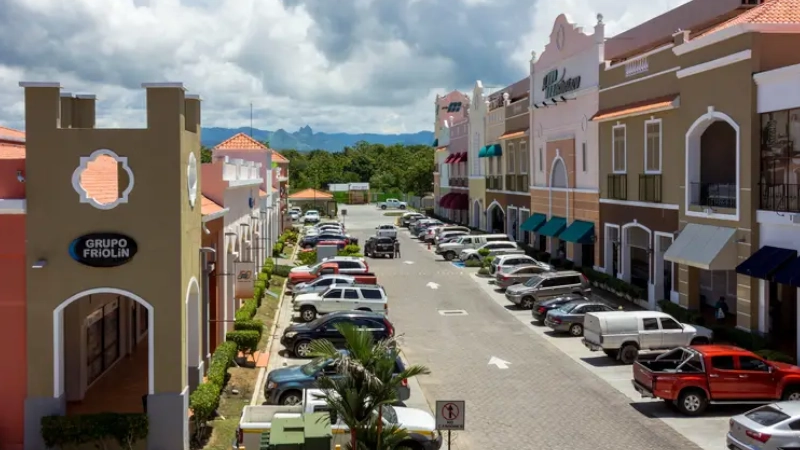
(524, 388)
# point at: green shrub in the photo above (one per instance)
(221, 360)
(282, 271)
(246, 340)
(487, 261)
(251, 325)
(473, 263)
(277, 249)
(247, 310)
(543, 257)
(82, 429)
(484, 252)
(680, 313)
(350, 249)
(307, 258)
(483, 271)
(774, 355)
(204, 401)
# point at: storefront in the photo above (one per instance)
(475, 164)
(459, 181)
(506, 213)
(563, 155)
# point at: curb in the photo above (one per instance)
(263, 370)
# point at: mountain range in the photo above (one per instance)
(306, 139)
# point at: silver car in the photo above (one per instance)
(322, 284)
(517, 274)
(568, 318)
(771, 427)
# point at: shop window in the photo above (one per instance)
(619, 153)
(510, 152)
(652, 146)
(102, 340)
(523, 158)
(780, 166)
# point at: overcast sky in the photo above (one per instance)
(337, 65)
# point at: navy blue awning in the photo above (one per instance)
(765, 262)
(789, 274)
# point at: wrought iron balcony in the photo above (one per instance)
(713, 195)
(650, 188)
(494, 182)
(780, 197)
(618, 186)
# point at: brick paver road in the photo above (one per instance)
(544, 400)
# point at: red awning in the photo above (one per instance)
(464, 157)
(449, 159)
(443, 201)
(451, 198)
(459, 157)
(461, 202)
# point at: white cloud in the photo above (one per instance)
(346, 66)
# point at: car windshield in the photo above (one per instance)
(569, 306)
(533, 281)
(314, 366)
(389, 414)
(767, 416)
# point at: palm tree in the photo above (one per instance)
(390, 438)
(369, 369)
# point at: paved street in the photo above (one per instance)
(544, 399)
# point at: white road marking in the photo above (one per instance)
(408, 262)
(433, 285)
(499, 363)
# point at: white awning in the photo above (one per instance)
(705, 247)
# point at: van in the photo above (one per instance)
(451, 250)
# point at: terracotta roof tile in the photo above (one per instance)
(771, 11)
(633, 109)
(100, 180)
(208, 206)
(240, 141)
(278, 158)
(12, 151)
(11, 133)
(310, 193)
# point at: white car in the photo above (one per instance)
(389, 231)
(495, 248)
(341, 298)
(294, 215)
(311, 216)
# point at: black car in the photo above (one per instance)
(311, 241)
(297, 337)
(540, 309)
(379, 246)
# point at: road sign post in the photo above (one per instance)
(450, 416)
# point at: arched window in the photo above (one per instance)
(558, 178)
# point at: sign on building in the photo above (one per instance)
(103, 249)
(553, 85)
(244, 279)
(359, 186)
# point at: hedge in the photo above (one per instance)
(247, 310)
(246, 340)
(221, 360)
(473, 263)
(249, 325)
(83, 429)
(613, 283)
(282, 271)
(307, 258)
(277, 249)
(204, 401)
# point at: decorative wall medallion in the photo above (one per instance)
(191, 179)
(561, 35)
(585, 123)
(96, 179)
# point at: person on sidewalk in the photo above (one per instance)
(721, 309)
(396, 248)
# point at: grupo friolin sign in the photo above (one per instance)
(103, 249)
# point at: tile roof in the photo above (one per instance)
(12, 151)
(632, 109)
(310, 193)
(100, 180)
(11, 133)
(240, 141)
(208, 206)
(262, 193)
(278, 158)
(513, 134)
(769, 12)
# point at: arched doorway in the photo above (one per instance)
(713, 187)
(95, 367)
(495, 218)
(194, 355)
(636, 251)
(476, 214)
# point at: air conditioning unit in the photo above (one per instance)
(795, 218)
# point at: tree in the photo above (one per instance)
(205, 154)
(368, 383)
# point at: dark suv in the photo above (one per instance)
(297, 337)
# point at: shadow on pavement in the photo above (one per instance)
(660, 409)
(558, 334)
(601, 361)
(514, 307)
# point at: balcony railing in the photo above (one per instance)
(494, 182)
(780, 197)
(459, 182)
(522, 182)
(618, 186)
(713, 195)
(650, 188)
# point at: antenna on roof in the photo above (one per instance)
(251, 119)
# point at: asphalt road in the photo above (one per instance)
(542, 400)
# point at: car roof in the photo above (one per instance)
(726, 350)
(560, 273)
(355, 313)
(335, 275)
(791, 408)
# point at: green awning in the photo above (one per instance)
(533, 222)
(579, 232)
(494, 150)
(482, 152)
(553, 227)
(435, 143)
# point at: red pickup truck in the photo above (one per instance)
(361, 275)
(694, 377)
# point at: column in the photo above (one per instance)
(689, 286)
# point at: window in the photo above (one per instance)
(102, 339)
(583, 157)
(371, 294)
(541, 160)
(652, 146)
(795, 425)
(351, 294)
(619, 153)
(767, 416)
(333, 294)
(349, 265)
(650, 324)
(754, 364)
(722, 362)
(572, 280)
(510, 158)
(669, 324)
(523, 158)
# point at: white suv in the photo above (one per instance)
(311, 216)
(362, 297)
(505, 263)
(495, 248)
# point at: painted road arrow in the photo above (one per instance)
(433, 285)
(499, 363)
(408, 262)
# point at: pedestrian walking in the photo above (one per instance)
(721, 308)
(396, 248)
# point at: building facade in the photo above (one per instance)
(456, 201)
(564, 154)
(448, 109)
(475, 165)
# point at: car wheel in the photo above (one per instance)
(576, 329)
(611, 353)
(449, 256)
(628, 354)
(302, 349)
(383, 206)
(291, 398)
(692, 402)
(791, 393)
(308, 313)
(527, 302)
(402, 206)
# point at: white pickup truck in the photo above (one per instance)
(389, 231)
(392, 203)
(256, 420)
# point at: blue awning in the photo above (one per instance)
(553, 227)
(533, 222)
(578, 232)
(789, 274)
(482, 152)
(765, 262)
(494, 150)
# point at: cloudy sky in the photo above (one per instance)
(337, 65)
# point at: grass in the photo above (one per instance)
(394, 213)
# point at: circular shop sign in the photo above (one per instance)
(103, 249)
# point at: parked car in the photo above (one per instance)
(322, 284)
(379, 246)
(357, 269)
(503, 263)
(422, 226)
(362, 297)
(451, 250)
(518, 274)
(311, 267)
(623, 334)
(284, 386)
(297, 337)
(311, 241)
(294, 215)
(547, 285)
(392, 203)
(429, 235)
(694, 377)
(443, 229)
(495, 249)
(542, 307)
(311, 216)
(330, 228)
(447, 235)
(568, 318)
(770, 427)
(389, 231)
(410, 217)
